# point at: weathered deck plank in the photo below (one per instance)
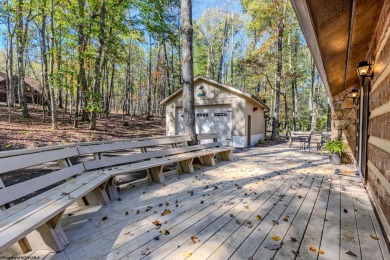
(329, 212)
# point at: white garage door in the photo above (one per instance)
(215, 119)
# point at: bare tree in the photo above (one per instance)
(188, 70)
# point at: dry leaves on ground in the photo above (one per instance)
(166, 212)
(194, 239)
(258, 217)
(165, 232)
(145, 252)
(276, 238)
(104, 218)
(321, 251)
(351, 253)
(156, 223)
(374, 237)
(313, 249)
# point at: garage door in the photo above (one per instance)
(214, 119)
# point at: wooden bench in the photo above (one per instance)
(295, 136)
(34, 223)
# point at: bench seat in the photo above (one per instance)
(34, 223)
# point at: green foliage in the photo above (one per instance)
(94, 102)
(335, 146)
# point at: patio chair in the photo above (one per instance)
(315, 138)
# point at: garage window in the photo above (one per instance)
(202, 115)
(220, 114)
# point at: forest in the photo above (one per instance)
(93, 59)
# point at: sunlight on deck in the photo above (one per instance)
(267, 202)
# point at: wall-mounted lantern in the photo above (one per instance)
(354, 93)
(364, 69)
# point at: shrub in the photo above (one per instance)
(335, 146)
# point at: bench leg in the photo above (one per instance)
(186, 166)
(224, 156)
(208, 160)
(97, 196)
(48, 236)
(112, 189)
(156, 174)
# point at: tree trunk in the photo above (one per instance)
(279, 68)
(21, 42)
(149, 101)
(98, 68)
(82, 45)
(311, 98)
(167, 69)
(52, 43)
(225, 30)
(9, 67)
(188, 70)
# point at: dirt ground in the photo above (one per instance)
(24, 133)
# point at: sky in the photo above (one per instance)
(199, 6)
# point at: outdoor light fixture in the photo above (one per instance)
(364, 69)
(354, 93)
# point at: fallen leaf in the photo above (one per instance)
(294, 239)
(321, 251)
(189, 254)
(119, 199)
(276, 238)
(247, 207)
(299, 196)
(127, 213)
(156, 223)
(138, 212)
(374, 237)
(258, 217)
(194, 239)
(351, 253)
(104, 218)
(64, 194)
(157, 238)
(250, 258)
(160, 205)
(345, 211)
(313, 249)
(275, 222)
(248, 224)
(166, 212)
(167, 204)
(202, 201)
(127, 233)
(285, 219)
(165, 232)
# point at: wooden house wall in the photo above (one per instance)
(378, 150)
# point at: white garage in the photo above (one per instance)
(237, 116)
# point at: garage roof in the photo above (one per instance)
(235, 91)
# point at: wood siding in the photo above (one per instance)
(378, 153)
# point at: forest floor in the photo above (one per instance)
(24, 133)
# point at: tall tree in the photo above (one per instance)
(95, 100)
(21, 39)
(188, 70)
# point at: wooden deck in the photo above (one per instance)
(242, 209)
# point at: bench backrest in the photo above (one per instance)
(19, 190)
(299, 133)
(22, 161)
(93, 149)
(114, 161)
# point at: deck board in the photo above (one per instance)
(298, 189)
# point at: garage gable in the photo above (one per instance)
(209, 92)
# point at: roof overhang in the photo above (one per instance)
(339, 35)
(235, 91)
